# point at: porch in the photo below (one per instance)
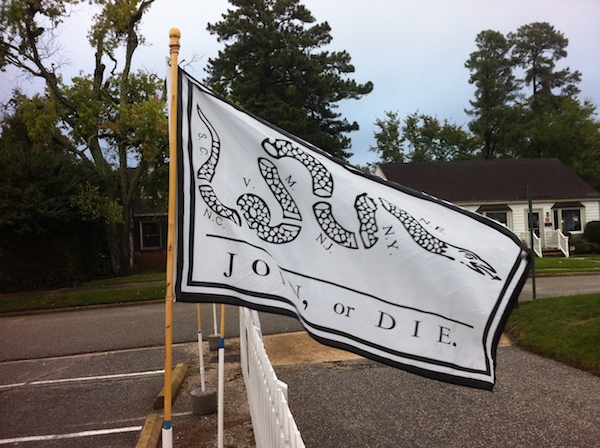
(551, 242)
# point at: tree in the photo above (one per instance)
(536, 48)
(422, 138)
(427, 140)
(43, 240)
(112, 119)
(271, 66)
(496, 90)
(570, 133)
(35, 184)
(388, 143)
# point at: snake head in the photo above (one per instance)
(474, 262)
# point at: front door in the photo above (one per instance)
(536, 217)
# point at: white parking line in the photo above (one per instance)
(97, 432)
(84, 378)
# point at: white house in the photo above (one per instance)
(562, 202)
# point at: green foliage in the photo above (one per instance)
(536, 48)
(113, 121)
(492, 74)
(94, 206)
(566, 133)
(271, 66)
(586, 163)
(43, 242)
(564, 328)
(585, 247)
(592, 232)
(422, 138)
(388, 143)
(54, 258)
(36, 183)
(547, 121)
(429, 140)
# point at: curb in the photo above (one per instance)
(179, 373)
(151, 432)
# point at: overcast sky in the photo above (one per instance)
(412, 50)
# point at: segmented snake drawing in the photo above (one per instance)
(257, 214)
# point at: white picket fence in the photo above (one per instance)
(272, 420)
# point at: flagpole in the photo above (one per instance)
(221, 391)
(167, 432)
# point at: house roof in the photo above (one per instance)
(491, 180)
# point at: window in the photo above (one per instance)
(568, 216)
(501, 217)
(571, 220)
(498, 212)
(150, 235)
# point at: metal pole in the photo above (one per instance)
(200, 352)
(221, 388)
(531, 240)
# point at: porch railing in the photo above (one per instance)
(554, 239)
(272, 421)
(537, 246)
(563, 242)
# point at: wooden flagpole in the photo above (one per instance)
(167, 432)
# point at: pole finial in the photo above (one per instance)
(174, 35)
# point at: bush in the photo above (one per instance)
(592, 232)
(585, 247)
(51, 259)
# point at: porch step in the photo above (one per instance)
(552, 252)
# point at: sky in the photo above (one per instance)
(413, 51)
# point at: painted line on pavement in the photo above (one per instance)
(84, 378)
(97, 432)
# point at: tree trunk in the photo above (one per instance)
(113, 236)
(121, 246)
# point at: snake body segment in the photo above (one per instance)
(332, 228)
(321, 178)
(207, 170)
(213, 202)
(257, 215)
(420, 236)
(436, 246)
(365, 209)
(271, 176)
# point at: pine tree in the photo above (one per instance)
(273, 67)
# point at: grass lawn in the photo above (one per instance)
(106, 291)
(566, 329)
(576, 263)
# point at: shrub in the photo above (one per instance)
(585, 247)
(592, 232)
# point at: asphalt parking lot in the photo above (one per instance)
(90, 400)
(89, 379)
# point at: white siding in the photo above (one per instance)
(518, 221)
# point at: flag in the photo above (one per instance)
(268, 221)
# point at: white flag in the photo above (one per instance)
(266, 220)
